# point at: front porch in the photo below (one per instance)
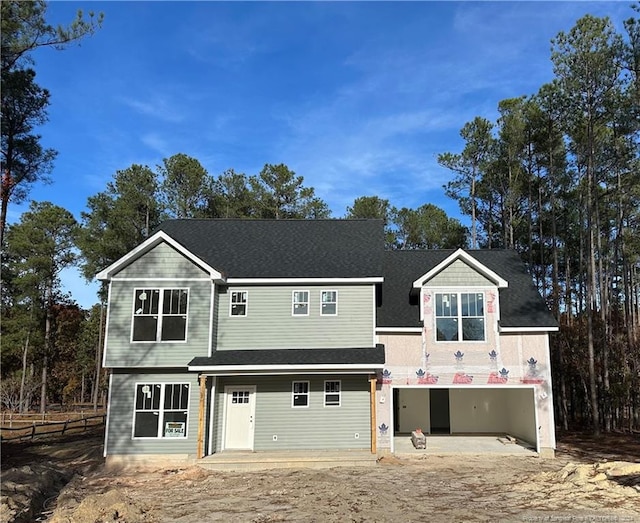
(317, 459)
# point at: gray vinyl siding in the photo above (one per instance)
(121, 352)
(121, 408)
(163, 261)
(215, 321)
(314, 427)
(269, 323)
(458, 274)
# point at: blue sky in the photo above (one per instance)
(358, 98)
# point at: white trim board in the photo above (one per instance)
(286, 369)
(515, 330)
(417, 330)
(281, 281)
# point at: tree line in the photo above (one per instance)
(556, 177)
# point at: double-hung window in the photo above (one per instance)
(238, 303)
(460, 316)
(332, 393)
(161, 410)
(300, 394)
(160, 315)
(300, 303)
(329, 303)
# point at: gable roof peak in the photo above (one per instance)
(466, 257)
(152, 241)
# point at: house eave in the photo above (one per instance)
(513, 330)
(217, 370)
(399, 329)
(294, 281)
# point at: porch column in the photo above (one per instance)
(201, 416)
(372, 384)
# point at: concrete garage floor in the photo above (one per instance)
(443, 445)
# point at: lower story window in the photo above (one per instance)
(300, 394)
(161, 410)
(332, 393)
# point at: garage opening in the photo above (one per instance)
(467, 411)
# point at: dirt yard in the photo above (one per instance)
(64, 481)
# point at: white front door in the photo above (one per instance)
(240, 409)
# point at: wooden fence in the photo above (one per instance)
(22, 428)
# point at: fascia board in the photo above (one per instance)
(285, 281)
(508, 330)
(274, 369)
(399, 329)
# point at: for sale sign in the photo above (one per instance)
(174, 429)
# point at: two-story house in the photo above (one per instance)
(239, 334)
(271, 335)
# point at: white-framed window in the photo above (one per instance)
(161, 410)
(460, 316)
(159, 315)
(300, 394)
(238, 303)
(332, 393)
(240, 396)
(329, 303)
(300, 303)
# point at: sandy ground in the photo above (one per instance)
(590, 480)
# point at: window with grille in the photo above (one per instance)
(329, 303)
(240, 396)
(460, 316)
(161, 410)
(300, 394)
(300, 303)
(160, 315)
(238, 304)
(332, 393)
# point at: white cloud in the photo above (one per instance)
(156, 106)
(158, 143)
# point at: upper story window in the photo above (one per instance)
(329, 303)
(300, 303)
(160, 315)
(238, 303)
(460, 316)
(161, 410)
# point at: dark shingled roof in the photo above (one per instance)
(348, 249)
(520, 303)
(284, 248)
(360, 356)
